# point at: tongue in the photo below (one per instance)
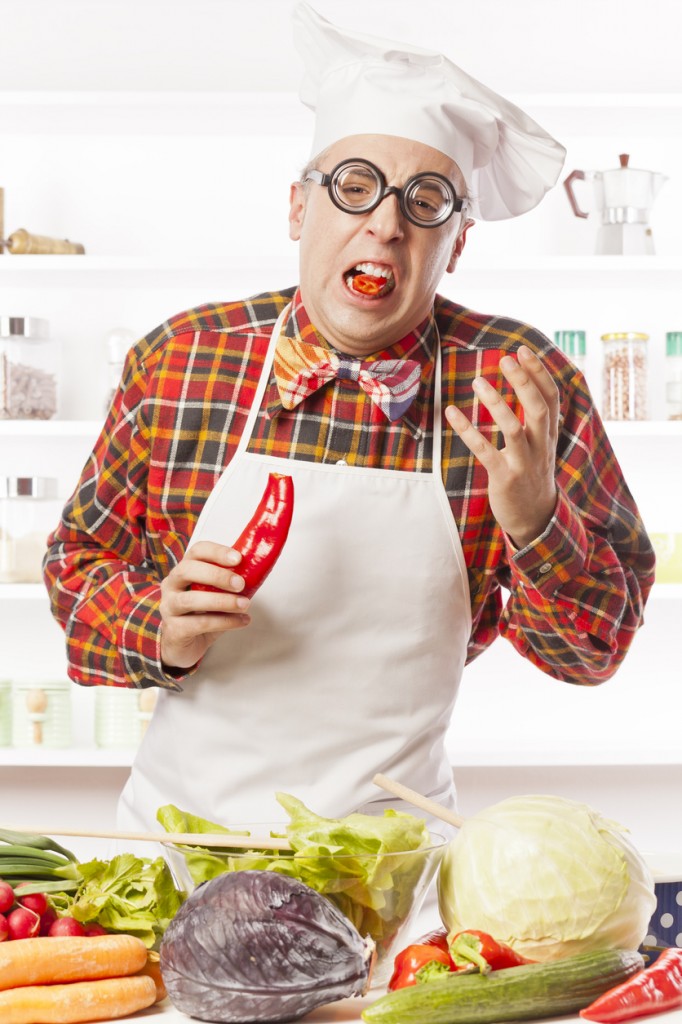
(368, 284)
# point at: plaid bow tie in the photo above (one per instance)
(300, 369)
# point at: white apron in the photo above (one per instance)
(350, 665)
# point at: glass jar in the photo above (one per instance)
(572, 344)
(29, 511)
(673, 375)
(5, 712)
(42, 713)
(119, 341)
(122, 715)
(29, 369)
(625, 376)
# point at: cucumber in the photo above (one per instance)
(527, 992)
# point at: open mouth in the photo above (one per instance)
(370, 279)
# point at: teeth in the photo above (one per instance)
(372, 268)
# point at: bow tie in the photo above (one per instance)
(301, 368)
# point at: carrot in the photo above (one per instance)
(153, 970)
(103, 999)
(51, 959)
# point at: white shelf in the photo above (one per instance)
(215, 113)
(69, 757)
(597, 756)
(45, 429)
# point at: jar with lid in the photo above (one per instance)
(29, 511)
(122, 715)
(572, 344)
(625, 376)
(42, 713)
(29, 369)
(119, 341)
(673, 375)
(5, 712)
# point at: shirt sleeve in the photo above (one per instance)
(104, 590)
(577, 593)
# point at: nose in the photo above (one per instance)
(386, 220)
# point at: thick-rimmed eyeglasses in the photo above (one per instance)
(358, 186)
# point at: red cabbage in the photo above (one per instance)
(260, 946)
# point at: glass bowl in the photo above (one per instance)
(381, 894)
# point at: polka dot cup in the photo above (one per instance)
(665, 927)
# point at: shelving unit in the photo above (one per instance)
(128, 175)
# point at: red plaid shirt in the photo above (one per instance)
(570, 602)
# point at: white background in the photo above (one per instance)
(164, 137)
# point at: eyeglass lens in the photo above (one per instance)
(425, 199)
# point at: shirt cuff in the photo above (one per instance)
(556, 556)
(141, 643)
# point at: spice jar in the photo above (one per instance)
(5, 712)
(29, 511)
(29, 369)
(122, 715)
(572, 344)
(625, 376)
(42, 713)
(673, 375)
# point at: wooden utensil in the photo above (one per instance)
(36, 705)
(411, 796)
(217, 839)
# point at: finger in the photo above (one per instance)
(183, 631)
(510, 425)
(537, 393)
(190, 572)
(478, 445)
(195, 602)
(209, 551)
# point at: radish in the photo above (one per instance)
(95, 928)
(47, 920)
(4, 928)
(66, 926)
(6, 897)
(35, 901)
(23, 923)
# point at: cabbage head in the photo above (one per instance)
(549, 876)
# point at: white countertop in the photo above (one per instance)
(348, 1011)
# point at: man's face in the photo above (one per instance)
(333, 243)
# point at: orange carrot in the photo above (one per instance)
(153, 970)
(52, 959)
(79, 1001)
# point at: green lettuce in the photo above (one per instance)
(369, 866)
(127, 894)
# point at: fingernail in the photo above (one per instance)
(237, 582)
(232, 558)
(243, 602)
(507, 363)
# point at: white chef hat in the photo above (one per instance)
(358, 84)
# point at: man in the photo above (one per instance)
(437, 455)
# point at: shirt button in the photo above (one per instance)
(341, 462)
(545, 567)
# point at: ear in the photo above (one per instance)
(296, 210)
(459, 245)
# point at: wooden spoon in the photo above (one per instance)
(411, 796)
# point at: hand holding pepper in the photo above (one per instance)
(202, 598)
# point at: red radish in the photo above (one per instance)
(23, 923)
(95, 928)
(47, 920)
(4, 928)
(35, 901)
(66, 926)
(6, 897)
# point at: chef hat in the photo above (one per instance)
(358, 84)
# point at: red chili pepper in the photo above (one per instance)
(412, 960)
(368, 284)
(474, 947)
(652, 990)
(261, 541)
(438, 937)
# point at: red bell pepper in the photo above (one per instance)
(438, 937)
(368, 284)
(415, 959)
(262, 539)
(656, 988)
(481, 949)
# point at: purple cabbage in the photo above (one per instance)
(260, 946)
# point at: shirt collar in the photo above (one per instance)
(419, 344)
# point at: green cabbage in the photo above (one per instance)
(549, 876)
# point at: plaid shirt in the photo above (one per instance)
(570, 602)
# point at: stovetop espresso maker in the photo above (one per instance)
(623, 199)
